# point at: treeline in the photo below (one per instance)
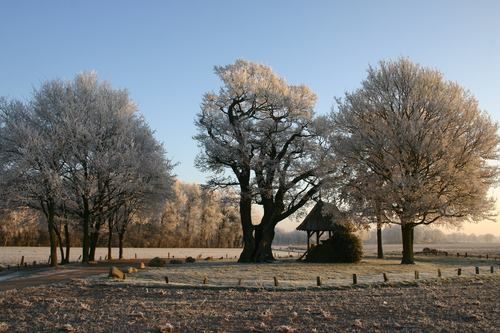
(393, 236)
(431, 235)
(190, 217)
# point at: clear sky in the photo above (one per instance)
(163, 52)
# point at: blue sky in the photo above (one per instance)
(163, 52)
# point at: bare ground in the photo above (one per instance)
(465, 304)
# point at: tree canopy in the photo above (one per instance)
(425, 143)
(265, 131)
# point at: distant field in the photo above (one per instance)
(12, 255)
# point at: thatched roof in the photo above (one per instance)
(324, 217)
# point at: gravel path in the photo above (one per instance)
(450, 305)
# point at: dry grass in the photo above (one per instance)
(447, 305)
(293, 274)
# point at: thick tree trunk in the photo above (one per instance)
(68, 242)
(263, 252)
(380, 250)
(52, 234)
(407, 233)
(86, 231)
(94, 238)
(247, 227)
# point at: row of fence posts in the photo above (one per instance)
(480, 256)
(354, 277)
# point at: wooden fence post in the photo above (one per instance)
(386, 279)
(318, 281)
(166, 279)
(417, 276)
(22, 260)
(477, 270)
(354, 279)
(459, 271)
(275, 281)
(239, 282)
(492, 269)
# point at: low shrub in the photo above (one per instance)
(176, 261)
(343, 247)
(157, 262)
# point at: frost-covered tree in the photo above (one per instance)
(359, 191)
(427, 142)
(31, 147)
(258, 123)
(144, 180)
(79, 149)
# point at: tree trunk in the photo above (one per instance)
(247, 227)
(380, 250)
(60, 242)
(263, 241)
(68, 242)
(121, 234)
(94, 238)
(110, 242)
(407, 233)
(52, 234)
(86, 227)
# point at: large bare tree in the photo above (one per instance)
(263, 130)
(427, 142)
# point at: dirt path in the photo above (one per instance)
(31, 277)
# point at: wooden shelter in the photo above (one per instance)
(324, 217)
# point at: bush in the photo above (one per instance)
(342, 247)
(157, 262)
(176, 261)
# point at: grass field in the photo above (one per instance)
(144, 302)
(293, 274)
